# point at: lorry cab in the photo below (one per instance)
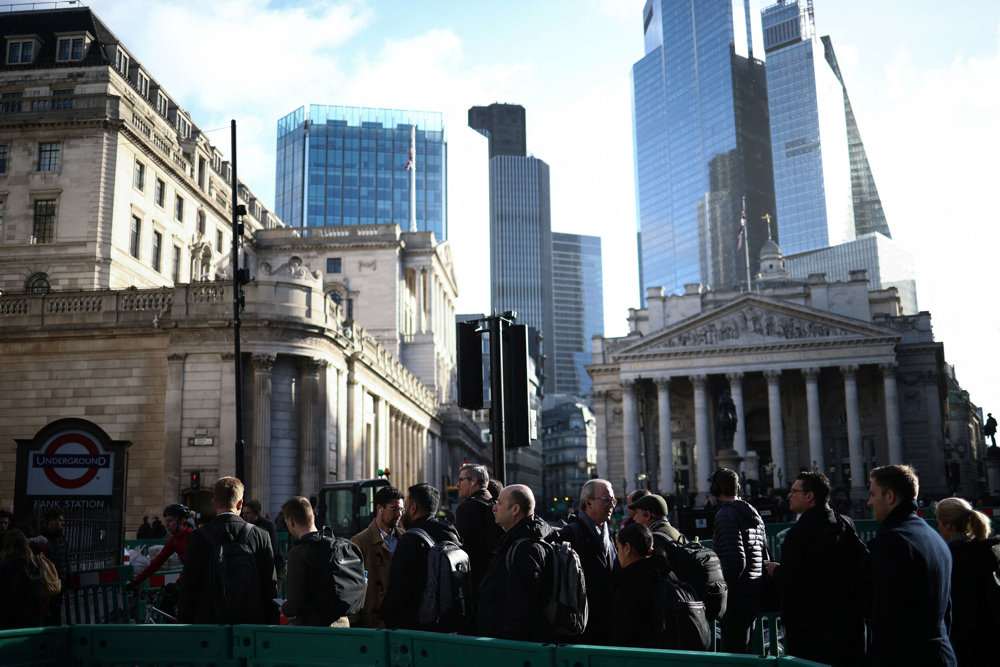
(345, 508)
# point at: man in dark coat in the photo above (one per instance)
(651, 511)
(512, 599)
(57, 551)
(252, 513)
(819, 576)
(474, 520)
(911, 569)
(408, 570)
(740, 542)
(197, 602)
(590, 537)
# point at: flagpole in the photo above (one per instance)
(745, 239)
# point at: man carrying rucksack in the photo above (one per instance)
(408, 579)
(228, 573)
(515, 588)
(474, 520)
(325, 577)
(824, 577)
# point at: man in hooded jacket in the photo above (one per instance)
(740, 541)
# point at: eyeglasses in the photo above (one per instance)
(464, 479)
(611, 501)
(794, 490)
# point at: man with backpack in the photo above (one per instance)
(474, 520)
(326, 575)
(228, 575)
(517, 585)
(824, 577)
(410, 590)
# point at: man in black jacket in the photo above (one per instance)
(198, 599)
(911, 570)
(823, 566)
(57, 551)
(590, 537)
(512, 599)
(474, 520)
(740, 542)
(252, 513)
(408, 571)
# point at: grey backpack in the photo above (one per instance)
(447, 595)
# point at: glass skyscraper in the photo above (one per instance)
(520, 225)
(348, 166)
(578, 299)
(702, 143)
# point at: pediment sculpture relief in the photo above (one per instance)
(752, 325)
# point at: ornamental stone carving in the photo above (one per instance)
(293, 268)
(751, 325)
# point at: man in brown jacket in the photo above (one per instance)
(377, 543)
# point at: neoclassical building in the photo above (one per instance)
(824, 376)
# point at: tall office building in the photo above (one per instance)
(702, 143)
(578, 299)
(520, 225)
(357, 163)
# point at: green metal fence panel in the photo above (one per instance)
(788, 661)
(149, 645)
(35, 647)
(764, 638)
(291, 646)
(424, 649)
(605, 656)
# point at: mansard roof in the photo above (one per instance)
(50, 24)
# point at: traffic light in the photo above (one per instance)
(384, 472)
(195, 480)
(516, 415)
(469, 354)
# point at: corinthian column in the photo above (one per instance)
(892, 414)
(777, 431)
(312, 419)
(630, 443)
(855, 455)
(815, 427)
(666, 449)
(703, 448)
(260, 453)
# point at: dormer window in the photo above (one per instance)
(69, 48)
(121, 62)
(183, 126)
(142, 83)
(20, 51)
(162, 104)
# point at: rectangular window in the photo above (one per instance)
(20, 52)
(139, 178)
(12, 102)
(70, 48)
(3, 158)
(175, 268)
(121, 62)
(333, 264)
(179, 208)
(218, 240)
(63, 99)
(201, 223)
(159, 194)
(161, 104)
(43, 225)
(157, 244)
(48, 156)
(142, 83)
(134, 232)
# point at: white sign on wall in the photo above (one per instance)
(70, 463)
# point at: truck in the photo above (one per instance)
(345, 508)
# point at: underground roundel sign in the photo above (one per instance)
(71, 463)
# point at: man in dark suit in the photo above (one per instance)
(201, 600)
(911, 569)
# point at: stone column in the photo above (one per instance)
(311, 418)
(260, 451)
(855, 454)
(173, 444)
(630, 443)
(422, 300)
(666, 447)
(777, 431)
(816, 461)
(740, 436)
(703, 448)
(892, 414)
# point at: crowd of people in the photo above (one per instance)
(909, 596)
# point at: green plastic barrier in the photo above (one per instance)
(601, 656)
(425, 649)
(270, 646)
(32, 647)
(149, 645)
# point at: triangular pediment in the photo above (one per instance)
(753, 321)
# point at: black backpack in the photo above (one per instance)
(686, 625)
(232, 577)
(699, 567)
(341, 588)
(447, 596)
(854, 565)
(566, 610)
(992, 581)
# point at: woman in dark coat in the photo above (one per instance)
(637, 608)
(22, 585)
(974, 559)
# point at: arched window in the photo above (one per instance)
(38, 284)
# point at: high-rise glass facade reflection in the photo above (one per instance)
(702, 143)
(812, 175)
(578, 300)
(347, 166)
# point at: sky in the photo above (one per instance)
(922, 77)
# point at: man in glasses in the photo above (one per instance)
(474, 520)
(591, 538)
(822, 559)
(377, 543)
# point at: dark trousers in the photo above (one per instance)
(741, 613)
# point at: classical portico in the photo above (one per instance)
(793, 374)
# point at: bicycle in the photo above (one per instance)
(152, 598)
